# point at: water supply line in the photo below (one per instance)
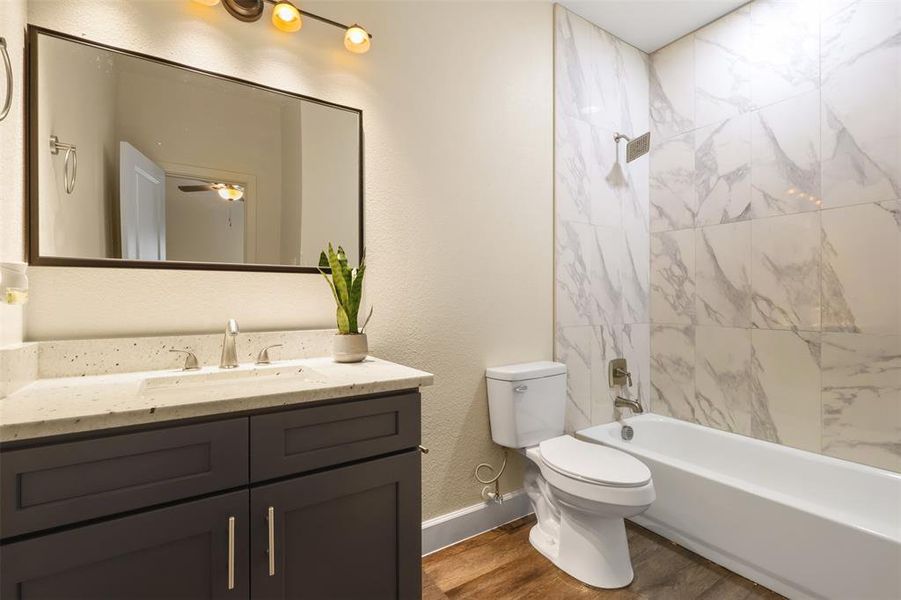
(487, 493)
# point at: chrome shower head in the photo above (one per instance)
(635, 148)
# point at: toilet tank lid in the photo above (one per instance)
(522, 371)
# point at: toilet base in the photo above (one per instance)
(584, 538)
(592, 549)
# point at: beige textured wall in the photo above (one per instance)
(79, 107)
(330, 181)
(12, 24)
(457, 101)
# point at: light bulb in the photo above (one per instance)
(231, 192)
(286, 17)
(357, 40)
(207, 2)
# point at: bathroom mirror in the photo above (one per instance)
(139, 162)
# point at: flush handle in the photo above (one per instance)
(521, 388)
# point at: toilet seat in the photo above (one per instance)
(593, 463)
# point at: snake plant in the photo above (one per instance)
(347, 288)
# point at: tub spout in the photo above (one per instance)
(621, 402)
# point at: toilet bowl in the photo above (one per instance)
(581, 492)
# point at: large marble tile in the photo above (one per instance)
(861, 104)
(861, 398)
(573, 347)
(576, 246)
(785, 272)
(829, 7)
(722, 68)
(577, 172)
(673, 197)
(723, 171)
(723, 275)
(860, 277)
(636, 349)
(673, 277)
(572, 58)
(673, 371)
(619, 85)
(606, 262)
(785, 157)
(672, 89)
(723, 378)
(784, 49)
(635, 275)
(584, 158)
(635, 100)
(785, 388)
(606, 344)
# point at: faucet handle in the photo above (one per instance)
(191, 363)
(626, 374)
(263, 357)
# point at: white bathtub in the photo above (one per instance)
(804, 525)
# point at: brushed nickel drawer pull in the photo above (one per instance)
(231, 553)
(271, 520)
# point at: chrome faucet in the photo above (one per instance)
(229, 358)
(621, 402)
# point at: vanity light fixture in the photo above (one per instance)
(287, 17)
(357, 39)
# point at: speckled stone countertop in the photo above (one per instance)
(64, 405)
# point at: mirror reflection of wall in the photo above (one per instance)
(143, 129)
(201, 226)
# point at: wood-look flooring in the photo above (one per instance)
(501, 564)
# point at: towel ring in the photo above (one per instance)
(9, 79)
(70, 172)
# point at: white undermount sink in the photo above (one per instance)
(240, 374)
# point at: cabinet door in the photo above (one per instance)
(351, 532)
(187, 550)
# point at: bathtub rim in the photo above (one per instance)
(787, 500)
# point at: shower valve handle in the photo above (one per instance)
(623, 373)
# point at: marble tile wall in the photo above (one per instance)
(775, 219)
(602, 280)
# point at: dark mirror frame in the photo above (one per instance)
(33, 146)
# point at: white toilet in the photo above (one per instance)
(580, 491)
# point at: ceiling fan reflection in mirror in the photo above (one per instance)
(226, 191)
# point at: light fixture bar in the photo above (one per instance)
(321, 19)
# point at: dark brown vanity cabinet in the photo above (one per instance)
(332, 509)
(189, 550)
(350, 523)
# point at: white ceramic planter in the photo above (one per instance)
(350, 348)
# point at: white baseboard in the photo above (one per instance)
(459, 525)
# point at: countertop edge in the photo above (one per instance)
(34, 430)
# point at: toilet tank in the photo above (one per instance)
(526, 402)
